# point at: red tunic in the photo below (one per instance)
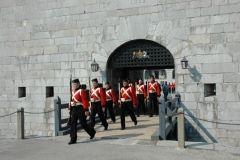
(132, 86)
(169, 85)
(129, 94)
(99, 95)
(154, 87)
(80, 96)
(141, 89)
(110, 94)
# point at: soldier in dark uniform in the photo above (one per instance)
(98, 102)
(79, 111)
(110, 102)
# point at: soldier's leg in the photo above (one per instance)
(155, 103)
(111, 112)
(143, 104)
(151, 108)
(85, 126)
(106, 108)
(73, 131)
(93, 114)
(101, 116)
(138, 104)
(123, 110)
(131, 112)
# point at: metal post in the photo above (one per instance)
(181, 129)
(162, 122)
(20, 123)
(57, 114)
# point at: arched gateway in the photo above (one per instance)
(134, 58)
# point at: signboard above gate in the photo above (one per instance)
(140, 54)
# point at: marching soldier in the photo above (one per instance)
(173, 88)
(154, 94)
(79, 111)
(170, 87)
(128, 103)
(130, 84)
(141, 95)
(98, 102)
(110, 102)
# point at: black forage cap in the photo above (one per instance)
(76, 81)
(94, 80)
(151, 76)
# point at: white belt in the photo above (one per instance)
(152, 91)
(95, 100)
(125, 100)
(139, 93)
(108, 99)
(75, 104)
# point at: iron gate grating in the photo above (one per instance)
(158, 55)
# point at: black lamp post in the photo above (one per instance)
(94, 66)
(184, 63)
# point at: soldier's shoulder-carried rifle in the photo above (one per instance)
(90, 89)
(70, 116)
(147, 99)
(119, 94)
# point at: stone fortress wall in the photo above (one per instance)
(42, 42)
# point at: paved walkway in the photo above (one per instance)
(132, 143)
(56, 148)
(145, 128)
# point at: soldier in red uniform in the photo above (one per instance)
(170, 87)
(98, 102)
(110, 102)
(130, 84)
(79, 111)
(128, 103)
(141, 95)
(154, 94)
(173, 88)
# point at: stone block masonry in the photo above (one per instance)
(43, 42)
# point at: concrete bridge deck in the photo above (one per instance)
(142, 131)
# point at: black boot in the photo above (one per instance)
(106, 127)
(72, 141)
(135, 123)
(93, 135)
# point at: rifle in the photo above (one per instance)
(70, 116)
(147, 94)
(89, 90)
(119, 93)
